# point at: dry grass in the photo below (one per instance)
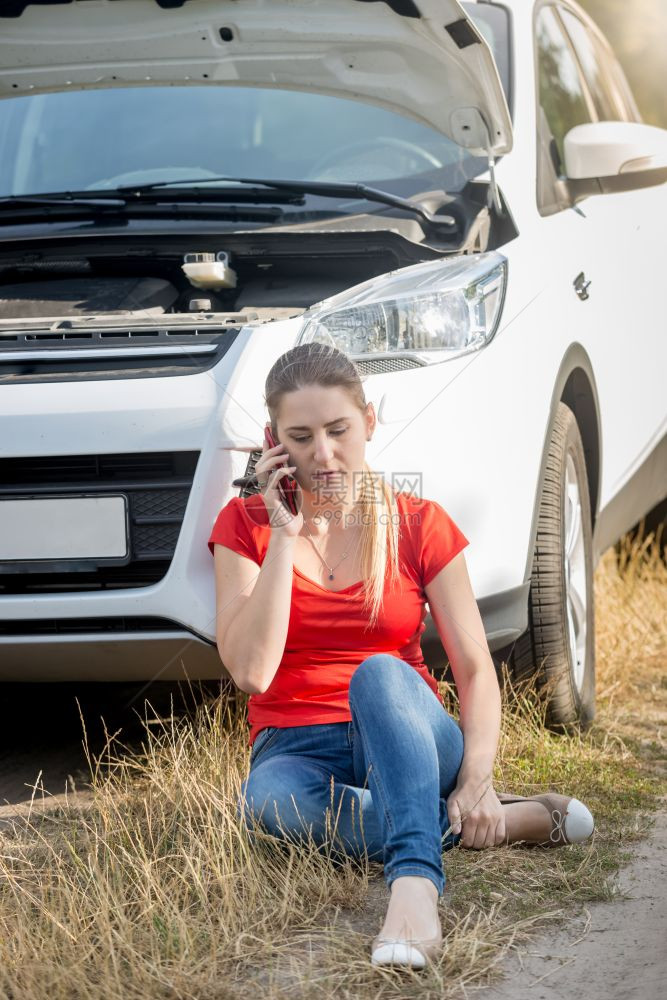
(150, 888)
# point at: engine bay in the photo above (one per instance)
(270, 271)
(153, 285)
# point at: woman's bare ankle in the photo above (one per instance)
(414, 884)
(413, 909)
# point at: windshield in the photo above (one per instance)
(99, 139)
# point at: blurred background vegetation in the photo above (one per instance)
(637, 31)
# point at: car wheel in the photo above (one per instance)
(559, 645)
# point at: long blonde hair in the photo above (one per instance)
(316, 363)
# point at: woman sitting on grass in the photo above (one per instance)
(325, 637)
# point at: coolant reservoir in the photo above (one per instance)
(209, 270)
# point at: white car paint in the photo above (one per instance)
(474, 425)
(346, 48)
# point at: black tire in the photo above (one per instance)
(554, 650)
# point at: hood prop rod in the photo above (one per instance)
(493, 198)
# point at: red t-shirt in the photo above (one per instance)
(326, 641)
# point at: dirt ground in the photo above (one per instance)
(614, 951)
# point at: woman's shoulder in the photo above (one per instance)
(434, 536)
(422, 511)
(250, 510)
(410, 505)
(242, 524)
(253, 506)
(415, 514)
(409, 500)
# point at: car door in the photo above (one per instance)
(624, 268)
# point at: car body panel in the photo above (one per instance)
(476, 428)
(215, 411)
(365, 50)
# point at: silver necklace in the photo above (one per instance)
(330, 568)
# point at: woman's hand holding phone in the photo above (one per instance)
(271, 471)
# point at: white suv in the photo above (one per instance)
(463, 197)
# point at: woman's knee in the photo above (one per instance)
(381, 671)
(376, 668)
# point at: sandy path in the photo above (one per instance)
(619, 953)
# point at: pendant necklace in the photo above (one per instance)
(330, 568)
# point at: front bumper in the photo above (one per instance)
(169, 655)
(70, 634)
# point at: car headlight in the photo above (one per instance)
(436, 311)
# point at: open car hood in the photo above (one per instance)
(421, 58)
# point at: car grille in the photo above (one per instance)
(75, 349)
(157, 486)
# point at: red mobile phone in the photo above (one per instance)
(287, 487)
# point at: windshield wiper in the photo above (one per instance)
(64, 203)
(323, 188)
(274, 191)
(122, 196)
(61, 198)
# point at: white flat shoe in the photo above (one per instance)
(406, 954)
(571, 821)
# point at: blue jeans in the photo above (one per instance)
(310, 780)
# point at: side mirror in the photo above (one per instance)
(604, 157)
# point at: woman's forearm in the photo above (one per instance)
(480, 709)
(254, 642)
